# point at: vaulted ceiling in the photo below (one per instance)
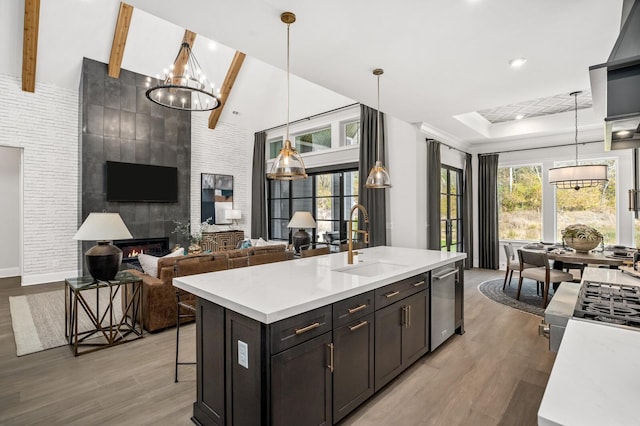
(444, 60)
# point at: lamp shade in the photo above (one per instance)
(103, 227)
(232, 214)
(577, 177)
(302, 220)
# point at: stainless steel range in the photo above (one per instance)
(604, 295)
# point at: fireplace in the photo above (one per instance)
(132, 248)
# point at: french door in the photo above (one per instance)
(450, 209)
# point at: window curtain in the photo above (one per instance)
(374, 200)
(467, 212)
(258, 187)
(433, 194)
(488, 214)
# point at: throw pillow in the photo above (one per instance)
(150, 263)
(261, 242)
(246, 243)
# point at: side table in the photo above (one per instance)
(106, 329)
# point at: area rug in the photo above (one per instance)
(529, 301)
(38, 319)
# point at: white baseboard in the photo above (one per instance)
(49, 278)
(9, 272)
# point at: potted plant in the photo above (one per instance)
(581, 238)
(194, 236)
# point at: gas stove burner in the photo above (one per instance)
(611, 303)
(610, 309)
(609, 320)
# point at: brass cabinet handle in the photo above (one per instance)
(418, 284)
(330, 366)
(307, 328)
(404, 316)
(357, 308)
(357, 326)
(408, 316)
(393, 293)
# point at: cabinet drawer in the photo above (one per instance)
(352, 308)
(384, 296)
(300, 328)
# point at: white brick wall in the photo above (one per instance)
(227, 150)
(45, 124)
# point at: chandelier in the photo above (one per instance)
(577, 176)
(378, 176)
(184, 86)
(288, 165)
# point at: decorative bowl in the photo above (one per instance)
(582, 245)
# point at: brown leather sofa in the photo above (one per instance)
(159, 295)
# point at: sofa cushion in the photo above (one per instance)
(150, 263)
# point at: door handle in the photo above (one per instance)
(443, 276)
(357, 326)
(330, 366)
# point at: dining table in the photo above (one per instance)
(561, 255)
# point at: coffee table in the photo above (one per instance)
(106, 330)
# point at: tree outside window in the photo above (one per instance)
(595, 206)
(520, 203)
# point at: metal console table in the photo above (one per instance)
(105, 330)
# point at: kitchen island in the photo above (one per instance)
(307, 341)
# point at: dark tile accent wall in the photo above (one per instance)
(119, 123)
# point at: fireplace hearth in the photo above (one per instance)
(132, 248)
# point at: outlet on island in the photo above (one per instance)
(243, 354)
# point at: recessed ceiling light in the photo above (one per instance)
(517, 62)
(519, 116)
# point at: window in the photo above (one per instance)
(274, 147)
(520, 202)
(636, 231)
(329, 197)
(351, 133)
(450, 209)
(316, 140)
(594, 206)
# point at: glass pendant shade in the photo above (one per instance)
(576, 177)
(288, 165)
(378, 177)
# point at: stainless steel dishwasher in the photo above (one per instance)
(443, 304)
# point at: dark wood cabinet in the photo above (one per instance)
(459, 306)
(301, 383)
(353, 365)
(401, 336)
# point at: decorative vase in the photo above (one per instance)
(194, 248)
(582, 245)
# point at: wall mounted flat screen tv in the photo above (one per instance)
(129, 182)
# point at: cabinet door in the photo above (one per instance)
(353, 361)
(415, 333)
(388, 343)
(301, 384)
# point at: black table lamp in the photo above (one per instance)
(301, 220)
(103, 260)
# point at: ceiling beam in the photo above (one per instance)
(183, 57)
(30, 44)
(120, 39)
(234, 69)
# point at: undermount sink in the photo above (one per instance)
(370, 269)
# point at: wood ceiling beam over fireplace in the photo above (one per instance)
(229, 80)
(30, 44)
(120, 39)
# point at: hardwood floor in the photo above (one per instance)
(494, 374)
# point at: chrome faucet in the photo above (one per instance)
(359, 231)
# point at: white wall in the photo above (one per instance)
(10, 159)
(227, 150)
(45, 125)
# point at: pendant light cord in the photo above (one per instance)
(575, 99)
(288, 84)
(378, 121)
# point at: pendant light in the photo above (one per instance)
(378, 176)
(288, 165)
(577, 176)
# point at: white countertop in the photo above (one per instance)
(596, 375)
(272, 292)
(595, 379)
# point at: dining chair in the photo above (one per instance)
(513, 264)
(314, 249)
(535, 265)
